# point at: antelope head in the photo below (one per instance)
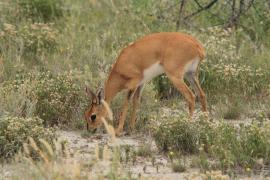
(95, 111)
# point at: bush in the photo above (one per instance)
(226, 69)
(241, 146)
(14, 131)
(164, 87)
(178, 166)
(41, 10)
(176, 134)
(225, 78)
(169, 137)
(31, 40)
(144, 151)
(56, 98)
(231, 146)
(233, 112)
(38, 37)
(15, 99)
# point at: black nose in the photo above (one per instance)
(93, 117)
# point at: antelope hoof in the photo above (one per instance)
(206, 114)
(118, 132)
(131, 130)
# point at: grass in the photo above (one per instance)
(233, 112)
(86, 134)
(58, 163)
(178, 167)
(144, 151)
(49, 51)
(231, 146)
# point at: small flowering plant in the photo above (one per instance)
(231, 146)
(38, 37)
(29, 40)
(54, 98)
(14, 131)
(223, 71)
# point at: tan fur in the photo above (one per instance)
(172, 50)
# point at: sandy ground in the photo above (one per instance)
(84, 149)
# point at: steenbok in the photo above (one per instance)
(176, 54)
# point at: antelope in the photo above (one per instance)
(178, 55)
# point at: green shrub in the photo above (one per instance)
(14, 131)
(16, 99)
(30, 40)
(56, 98)
(231, 77)
(164, 87)
(177, 134)
(255, 143)
(230, 145)
(144, 151)
(178, 166)
(241, 146)
(38, 37)
(233, 112)
(226, 69)
(41, 10)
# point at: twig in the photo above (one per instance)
(179, 19)
(203, 8)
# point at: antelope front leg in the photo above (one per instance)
(136, 104)
(123, 115)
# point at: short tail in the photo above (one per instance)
(198, 46)
(201, 51)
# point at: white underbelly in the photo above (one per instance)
(151, 72)
(157, 69)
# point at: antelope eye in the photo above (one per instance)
(93, 117)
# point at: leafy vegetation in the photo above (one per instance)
(178, 167)
(231, 146)
(40, 10)
(15, 131)
(53, 98)
(51, 49)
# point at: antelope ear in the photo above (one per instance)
(89, 92)
(99, 95)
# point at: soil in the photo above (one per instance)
(84, 149)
